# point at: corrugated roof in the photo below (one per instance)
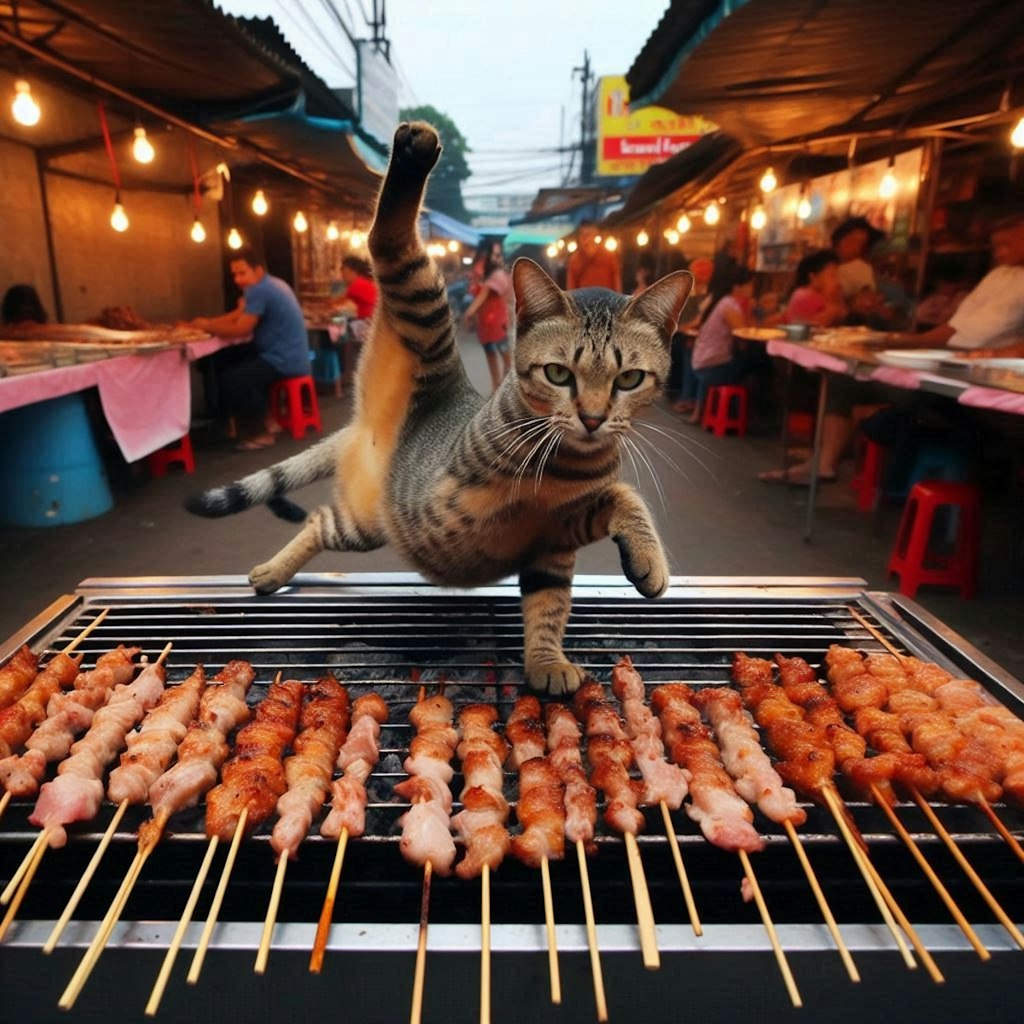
(774, 70)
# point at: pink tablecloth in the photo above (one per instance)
(146, 398)
(991, 398)
(807, 357)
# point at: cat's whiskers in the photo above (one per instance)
(521, 471)
(666, 434)
(650, 469)
(517, 442)
(548, 452)
(624, 447)
(506, 428)
(677, 436)
(664, 455)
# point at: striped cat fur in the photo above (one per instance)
(471, 491)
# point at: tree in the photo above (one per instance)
(444, 191)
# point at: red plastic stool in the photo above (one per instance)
(800, 428)
(718, 410)
(867, 482)
(299, 410)
(913, 559)
(179, 453)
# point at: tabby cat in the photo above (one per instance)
(471, 491)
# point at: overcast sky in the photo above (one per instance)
(502, 72)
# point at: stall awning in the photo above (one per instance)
(434, 224)
(774, 70)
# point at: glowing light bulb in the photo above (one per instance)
(300, 223)
(552, 251)
(355, 239)
(683, 224)
(333, 234)
(888, 186)
(1017, 135)
(642, 238)
(712, 215)
(672, 236)
(560, 243)
(803, 208)
(454, 246)
(758, 218)
(198, 231)
(571, 247)
(142, 148)
(118, 218)
(611, 244)
(768, 180)
(24, 108)
(260, 204)
(234, 239)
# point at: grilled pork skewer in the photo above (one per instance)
(356, 759)
(610, 755)
(19, 720)
(17, 675)
(323, 725)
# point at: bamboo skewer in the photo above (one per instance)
(595, 957)
(908, 839)
(268, 924)
(416, 1012)
(19, 874)
(186, 917)
(870, 879)
(485, 945)
(30, 873)
(323, 928)
(684, 881)
(642, 900)
(769, 927)
(826, 910)
(83, 882)
(85, 632)
(943, 833)
(549, 924)
(218, 899)
(4, 801)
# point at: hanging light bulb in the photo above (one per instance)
(259, 203)
(712, 215)
(24, 107)
(234, 239)
(300, 223)
(803, 208)
(672, 236)
(571, 247)
(355, 240)
(142, 148)
(888, 186)
(333, 234)
(1017, 135)
(198, 231)
(642, 238)
(769, 181)
(454, 246)
(683, 224)
(758, 218)
(560, 243)
(611, 244)
(552, 251)
(118, 218)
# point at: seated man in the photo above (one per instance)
(989, 321)
(270, 312)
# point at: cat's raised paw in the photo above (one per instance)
(416, 147)
(265, 579)
(646, 568)
(555, 677)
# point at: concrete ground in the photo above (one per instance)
(715, 517)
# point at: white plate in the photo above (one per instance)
(913, 359)
(1013, 365)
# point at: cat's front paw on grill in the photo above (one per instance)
(645, 567)
(267, 578)
(555, 677)
(416, 147)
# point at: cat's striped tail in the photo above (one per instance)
(269, 485)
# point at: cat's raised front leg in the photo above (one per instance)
(546, 586)
(327, 529)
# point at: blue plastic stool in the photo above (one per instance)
(51, 473)
(326, 366)
(940, 462)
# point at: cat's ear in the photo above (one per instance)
(661, 304)
(537, 296)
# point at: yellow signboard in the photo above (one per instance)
(628, 142)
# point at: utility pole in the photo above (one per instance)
(587, 155)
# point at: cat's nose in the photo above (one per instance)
(591, 421)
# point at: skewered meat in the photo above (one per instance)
(152, 748)
(323, 725)
(564, 753)
(356, 759)
(18, 721)
(253, 778)
(525, 731)
(541, 811)
(17, 675)
(724, 818)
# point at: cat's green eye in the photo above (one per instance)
(629, 379)
(558, 374)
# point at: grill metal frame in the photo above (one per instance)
(683, 635)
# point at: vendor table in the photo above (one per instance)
(146, 396)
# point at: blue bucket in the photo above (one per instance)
(51, 473)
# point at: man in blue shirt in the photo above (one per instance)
(271, 314)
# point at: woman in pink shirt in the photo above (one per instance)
(817, 299)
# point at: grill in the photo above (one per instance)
(377, 633)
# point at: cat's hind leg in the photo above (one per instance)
(546, 587)
(329, 528)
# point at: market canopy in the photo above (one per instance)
(434, 224)
(768, 71)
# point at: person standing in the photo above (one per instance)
(592, 265)
(490, 309)
(270, 313)
(358, 303)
